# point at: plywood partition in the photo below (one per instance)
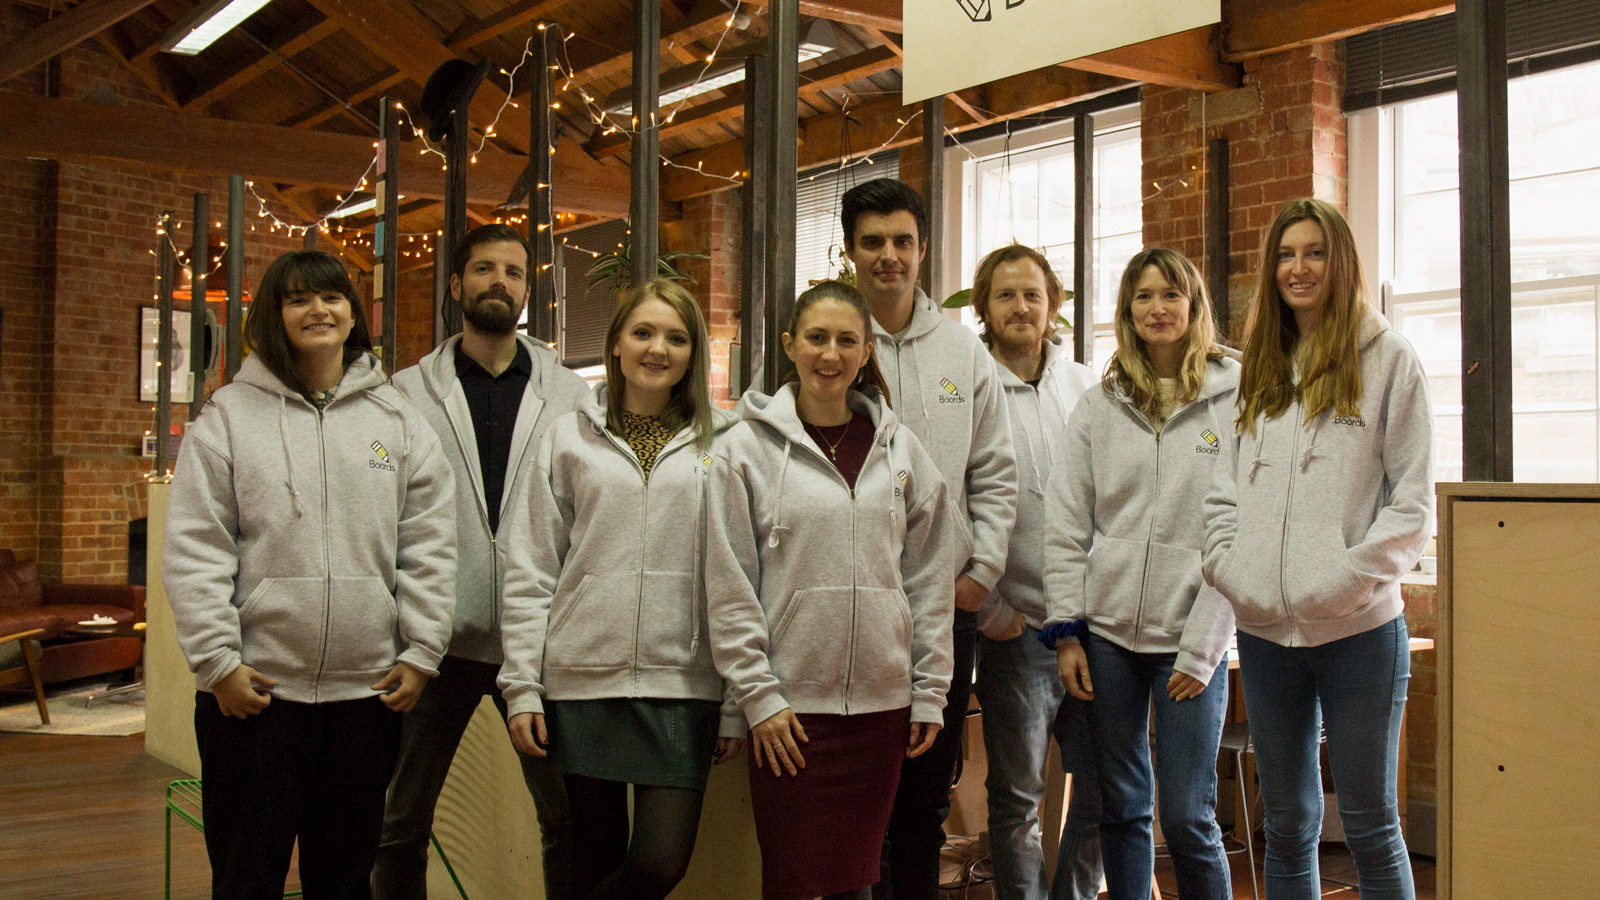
(1519, 718)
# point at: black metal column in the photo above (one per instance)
(541, 201)
(754, 334)
(645, 213)
(386, 231)
(167, 268)
(199, 268)
(1083, 237)
(1217, 238)
(456, 150)
(933, 195)
(234, 344)
(1485, 241)
(783, 90)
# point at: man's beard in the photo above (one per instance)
(492, 319)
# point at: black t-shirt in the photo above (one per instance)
(494, 402)
(846, 446)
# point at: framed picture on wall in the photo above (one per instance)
(149, 327)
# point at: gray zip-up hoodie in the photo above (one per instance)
(1127, 524)
(605, 585)
(1309, 525)
(316, 547)
(1039, 427)
(434, 389)
(945, 388)
(824, 599)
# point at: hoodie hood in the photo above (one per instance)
(778, 411)
(925, 317)
(594, 405)
(363, 373)
(1222, 376)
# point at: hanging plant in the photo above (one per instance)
(963, 298)
(614, 270)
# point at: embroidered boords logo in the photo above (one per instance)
(382, 461)
(901, 476)
(1355, 421)
(954, 395)
(1211, 443)
(706, 461)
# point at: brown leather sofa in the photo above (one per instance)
(27, 603)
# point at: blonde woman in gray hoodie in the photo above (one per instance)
(1322, 500)
(607, 658)
(1137, 631)
(310, 563)
(831, 579)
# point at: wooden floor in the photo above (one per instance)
(82, 818)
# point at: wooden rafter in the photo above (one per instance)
(1188, 59)
(264, 63)
(1259, 27)
(592, 57)
(471, 34)
(66, 30)
(885, 15)
(731, 107)
(373, 87)
(157, 76)
(884, 124)
(361, 258)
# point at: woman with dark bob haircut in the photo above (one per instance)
(310, 562)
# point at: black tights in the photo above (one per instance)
(607, 864)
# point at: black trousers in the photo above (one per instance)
(910, 864)
(312, 771)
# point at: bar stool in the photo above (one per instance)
(1236, 740)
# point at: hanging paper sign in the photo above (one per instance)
(955, 44)
(382, 162)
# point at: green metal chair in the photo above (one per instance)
(183, 798)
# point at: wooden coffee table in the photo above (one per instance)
(110, 630)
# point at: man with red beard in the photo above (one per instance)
(489, 393)
(945, 387)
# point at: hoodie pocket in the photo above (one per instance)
(361, 625)
(594, 627)
(669, 626)
(1317, 573)
(883, 638)
(1169, 591)
(1116, 567)
(280, 625)
(811, 641)
(1248, 576)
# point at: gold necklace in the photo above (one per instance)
(833, 446)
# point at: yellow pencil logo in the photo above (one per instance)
(948, 385)
(1209, 437)
(378, 449)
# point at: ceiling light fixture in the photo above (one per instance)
(209, 21)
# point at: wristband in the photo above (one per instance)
(1056, 632)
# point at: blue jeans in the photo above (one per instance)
(1354, 688)
(428, 738)
(1128, 687)
(1024, 702)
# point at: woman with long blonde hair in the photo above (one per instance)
(605, 627)
(1136, 629)
(1323, 499)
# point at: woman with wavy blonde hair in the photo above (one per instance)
(1323, 499)
(1136, 630)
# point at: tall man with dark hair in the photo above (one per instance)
(489, 393)
(944, 386)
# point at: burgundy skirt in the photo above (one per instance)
(821, 832)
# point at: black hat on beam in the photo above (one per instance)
(449, 88)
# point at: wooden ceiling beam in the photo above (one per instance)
(885, 15)
(884, 124)
(373, 87)
(77, 131)
(67, 30)
(471, 34)
(812, 81)
(594, 58)
(1189, 59)
(1255, 28)
(264, 63)
(361, 258)
(156, 74)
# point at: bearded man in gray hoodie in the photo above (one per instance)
(944, 386)
(489, 393)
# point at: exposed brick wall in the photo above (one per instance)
(710, 226)
(1286, 139)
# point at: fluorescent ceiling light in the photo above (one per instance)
(353, 205)
(209, 21)
(820, 39)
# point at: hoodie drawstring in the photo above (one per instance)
(777, 525)
(1305, 458)
(1033, 450)
(288, 457)
(1261, 459)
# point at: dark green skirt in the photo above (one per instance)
(665, 743)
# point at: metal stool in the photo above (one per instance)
(1236, 740)
(183, 798)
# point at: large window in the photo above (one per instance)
(1555, 263)
(1021, 189)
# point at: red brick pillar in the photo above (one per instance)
(710, 226)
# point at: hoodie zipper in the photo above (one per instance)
(1144, 579)
(1288, 510)
(327, 559)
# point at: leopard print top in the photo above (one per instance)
(647, 435)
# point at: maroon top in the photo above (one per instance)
(846, 446)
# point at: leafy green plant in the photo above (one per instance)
(614, 270)
(963, 298)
